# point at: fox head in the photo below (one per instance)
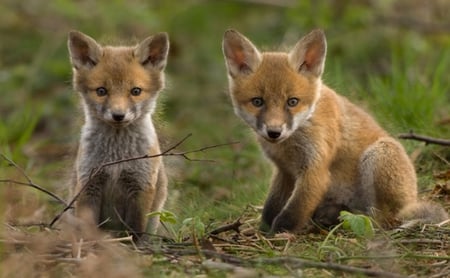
(274, 92)
(118, 85)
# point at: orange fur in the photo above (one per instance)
(119, 88)
(327, 152)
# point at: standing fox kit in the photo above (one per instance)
(119, 87)
(328, 153)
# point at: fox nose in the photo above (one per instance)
(274, 134)
(118, 117)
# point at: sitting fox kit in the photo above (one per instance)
(119, 87)
(328, 153)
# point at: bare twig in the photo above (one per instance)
(302, 263)
(29, 181)
(78, 246)
(168, 152)
(290, 261)
(135, 235)
(428, 140)
(237, 270)
(442, 158)
(184, 154)
(421, 241)
(228, 227)
(28, 225)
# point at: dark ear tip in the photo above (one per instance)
(230, 32)
(161, 38)
(73, 34)
(162, 35)
(318, 33)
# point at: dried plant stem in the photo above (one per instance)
(168, 152)
(292, 262)
(402, 256)
(29, 182)
(302, 263)
(228, 227)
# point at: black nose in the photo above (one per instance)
(118, 117)
(273, 134)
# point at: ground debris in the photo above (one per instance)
(236, 248)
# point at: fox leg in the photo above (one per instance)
(388, 178)
(307, 195)
(88, 204)
(280, 191)
(158, 201)
(138, 197)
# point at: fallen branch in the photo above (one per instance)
(168, 152)
(237, 270)
(290, 261)
(228, 227)
(428, 140)
(390, 257)
(302, 263)
(29, 182)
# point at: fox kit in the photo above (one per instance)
(119, 87)
(328, 153)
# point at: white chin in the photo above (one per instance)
(276, 140)
(119, 124)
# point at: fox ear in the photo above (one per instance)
(308, 55)
(241, 56)
(83, 50)
(152, 52)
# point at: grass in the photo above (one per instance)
(412, 97)
(399, 75)
(420, 249)
(16, 131)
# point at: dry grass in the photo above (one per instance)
(31, 247)
(235, 248)
(34, 246)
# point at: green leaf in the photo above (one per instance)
(193, 225)
(359, 224)
(164, 216)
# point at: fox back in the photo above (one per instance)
(119, 87)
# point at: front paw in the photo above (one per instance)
(269, 213)
(284, 222)
(264, 227)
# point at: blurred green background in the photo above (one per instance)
(391, 57)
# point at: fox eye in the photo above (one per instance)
(293, 101)
(136, 91)
(101, 91)
(257, 101)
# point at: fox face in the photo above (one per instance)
(274, 93)
(118, 85)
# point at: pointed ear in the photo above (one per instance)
(308, 55)
(152, 52)
(83, 50)
(241, 56)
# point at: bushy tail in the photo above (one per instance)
(423, 212)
